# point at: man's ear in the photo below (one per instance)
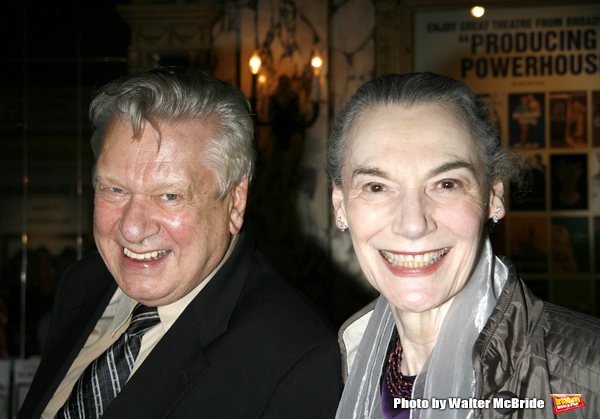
(339, 209)
(497, 201)
(239, 198)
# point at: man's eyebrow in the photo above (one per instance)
(446, 167)
(180, 185)
(98, 178)
(174, 185)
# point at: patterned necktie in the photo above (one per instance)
(104, 378)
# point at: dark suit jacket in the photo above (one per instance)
(248, 346)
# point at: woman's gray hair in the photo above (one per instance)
(172, 95)
(419, 89)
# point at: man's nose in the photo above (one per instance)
(412, 217)
(138, 220)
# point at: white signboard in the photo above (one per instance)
(514, 48)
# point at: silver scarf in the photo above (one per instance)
(448, 372)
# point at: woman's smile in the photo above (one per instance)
(414, 260)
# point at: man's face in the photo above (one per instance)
(157, 224)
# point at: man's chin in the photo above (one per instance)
(146, 291)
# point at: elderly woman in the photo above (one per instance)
(418, 172)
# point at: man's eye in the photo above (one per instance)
(116, 190)
(170, 196)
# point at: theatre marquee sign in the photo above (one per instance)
(518, 43)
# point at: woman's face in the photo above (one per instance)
(415, 201)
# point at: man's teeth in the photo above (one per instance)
(157, 254)
(414, 261)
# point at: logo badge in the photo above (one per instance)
(565, 402)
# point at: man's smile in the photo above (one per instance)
(144, 257)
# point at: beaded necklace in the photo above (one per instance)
(399, 385)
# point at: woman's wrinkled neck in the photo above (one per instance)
(418, 334)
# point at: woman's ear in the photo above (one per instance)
(497, 206)
(339, 211)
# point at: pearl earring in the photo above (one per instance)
(343, 227)
(495, 218)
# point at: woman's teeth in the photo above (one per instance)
(156, 254)
(414, 261)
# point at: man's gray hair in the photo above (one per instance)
(172, 95)
(420, 89)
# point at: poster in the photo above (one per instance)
(517, 52)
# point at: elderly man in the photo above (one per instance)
(229, 337)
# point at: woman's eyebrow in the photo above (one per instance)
(446, 167)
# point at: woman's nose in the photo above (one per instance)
(412, 216)
(138, 220)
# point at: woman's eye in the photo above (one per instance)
(375, 187)
(448, 184)
(170, 196)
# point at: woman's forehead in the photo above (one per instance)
(430, 133)
(422, 120)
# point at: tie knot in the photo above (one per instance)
(142, 319)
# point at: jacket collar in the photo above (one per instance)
(509, 333)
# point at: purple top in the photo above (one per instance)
(387, 401)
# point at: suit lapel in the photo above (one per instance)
(170, 370)
(80, 303)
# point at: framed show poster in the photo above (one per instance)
(537, 65)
